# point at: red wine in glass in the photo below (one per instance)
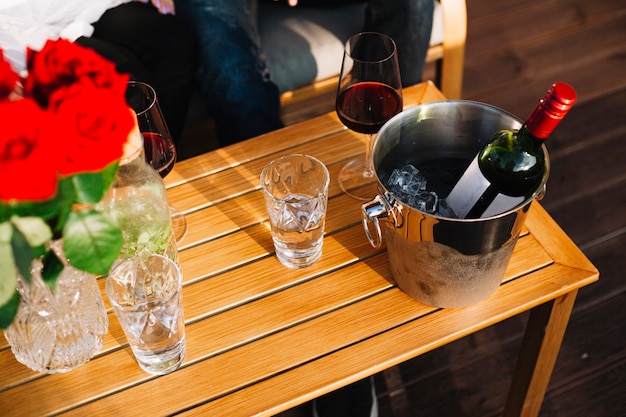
(364, 107)
(160, 153)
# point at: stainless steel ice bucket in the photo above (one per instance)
(441, 261)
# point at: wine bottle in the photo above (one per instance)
(511, 166)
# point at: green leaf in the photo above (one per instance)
(92, 186)
(9, 297)
(8, 274)
(6, 230)
(9, 310)
(22, 251)
(44, 209)
(52, 268)
(34, 229)
(66, 197)
(89, 187)
(5, 212)
(108, 175)
(91, 241)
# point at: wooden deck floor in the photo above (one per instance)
(515, 51)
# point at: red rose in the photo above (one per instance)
(96, 125)
(8, 78)
(28, 157)
(61, 63)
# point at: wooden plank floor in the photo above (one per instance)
(515, 51)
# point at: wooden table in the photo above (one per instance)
(262, 338)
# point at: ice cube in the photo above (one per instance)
(445, 210)
(408, 180)
(425, 201)
(409, 185)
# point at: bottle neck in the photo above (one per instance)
(539, 125)
(557, 101)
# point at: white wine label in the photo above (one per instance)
(468, 190)
(500, 204)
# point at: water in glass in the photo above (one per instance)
(146, 295)
(295, 188)
(298, 229)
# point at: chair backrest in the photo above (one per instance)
(452, 56)
(304, 45)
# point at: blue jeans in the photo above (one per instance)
(234, 76)
(232, 72)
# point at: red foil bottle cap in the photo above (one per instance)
(551, 110)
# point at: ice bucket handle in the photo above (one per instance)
(541, 193)
(371, 212)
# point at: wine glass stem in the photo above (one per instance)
(368, 150)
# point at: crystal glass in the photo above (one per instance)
(137, 203)
(368, 95)
(146, 295)
(295, 188)
(57, 331)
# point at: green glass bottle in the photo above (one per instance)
(511, 166)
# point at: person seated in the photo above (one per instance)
(142, 39)
(233, 73)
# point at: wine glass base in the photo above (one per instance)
(179, 224)
(357, 179)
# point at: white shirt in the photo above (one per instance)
(29, 23)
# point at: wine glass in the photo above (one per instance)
(157, 142)
(368, 95)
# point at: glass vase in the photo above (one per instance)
(137, 203)
(58, 330)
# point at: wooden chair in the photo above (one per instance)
(304, 46)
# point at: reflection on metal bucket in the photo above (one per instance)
(441, 261)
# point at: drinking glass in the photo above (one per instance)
(158, 144)
(295, 188)
(368, 95)
(146, 295)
